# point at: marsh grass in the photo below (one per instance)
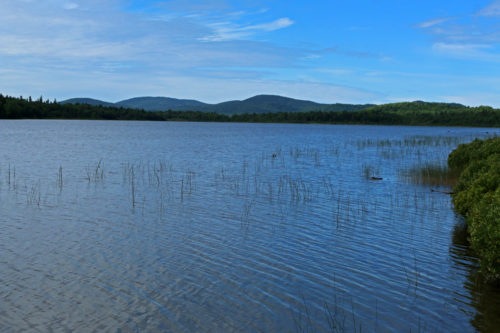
(132, 186)
(412, 141)
(333, 316)
(94, 173)
(370, 171)
(60, 178)
(11, 176)
(33, 194)
(431, 174)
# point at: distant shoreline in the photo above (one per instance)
(403, 114)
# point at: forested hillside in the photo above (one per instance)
(256, 104)
(414, 113)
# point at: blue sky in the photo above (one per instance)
(369, 51)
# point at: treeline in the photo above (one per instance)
(480, 117)
(20, 108)
(477, 196)
(414, 113)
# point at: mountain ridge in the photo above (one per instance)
(87, 100)
(256, 104)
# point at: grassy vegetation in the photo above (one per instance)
(477, 196)
(432, 174)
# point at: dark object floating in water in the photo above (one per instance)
(274, 155)
(376, 178)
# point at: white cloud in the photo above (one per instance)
(70, 6)
(102, 33)
(471, 37)
(216, 90)
(98, 46)
(491, 10)
(117, 86)
(447, 47)
(195, 5)
(271, 26)
(474, 99)
(481, 52)
(62, 48)
(434, 22)
(335, 71)
(224, 31)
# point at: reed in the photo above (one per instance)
(182, 189)
(132, 185)
(94, 173)
(371, 172)
(60, 178)
(431, 174)
(11, 177)
(33, 195)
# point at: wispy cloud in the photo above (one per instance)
(216, 50)
(434, 22)
(474, 99)
(491, 10)
(47, 43)
(482, 52)
(348, 52)
(459, 47)
(271, 26)
(209, 88)
(467, 37)
(198, 6)
(99, 32)
(335, 71)
(229, 31)
(70, 5)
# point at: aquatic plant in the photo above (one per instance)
(370, 172)
(11, 176)
(33, 195)
(94, 173)
(431, 174)
(60, 178)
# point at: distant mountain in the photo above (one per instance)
(160, 103)
(263, 104)
(417, 107)
(89, 101)
(256, 104)
(274, 103)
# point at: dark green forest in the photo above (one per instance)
(477, 196)
(410, 113)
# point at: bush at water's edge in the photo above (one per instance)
(477, 196)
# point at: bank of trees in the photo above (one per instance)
(414, 113)
(21, 108)
(477, 196)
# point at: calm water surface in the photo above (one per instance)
(182, 227)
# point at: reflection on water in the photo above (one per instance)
(483, 296)
(140, 226)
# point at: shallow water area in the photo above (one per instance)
(147, 226)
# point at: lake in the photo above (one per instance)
(183, 227)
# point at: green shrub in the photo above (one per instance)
(477, 150)
(477, 179)
(477, 196)
(460, 157)
(484, 230)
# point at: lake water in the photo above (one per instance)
(183, 227)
